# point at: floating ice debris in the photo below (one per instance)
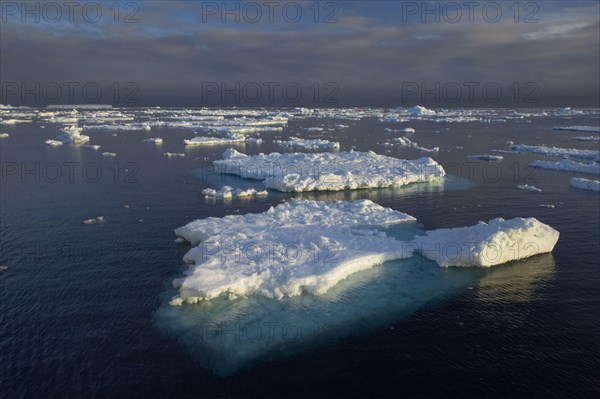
(126, 126)
(179, 240)
(547, 205)
(15, 121)
(4, 135)
(228, 192)
(109, 154)
(487, 244)
(567, 112)
(567, 165)
(527, 187)
(408, 130)
(419, 110)
(154, 140)
(594, 129)
(299, 246)
(73, 135)
(510, 142)
(174, 155)
(405, 142)
(486, 157)
(231, 139)
(92, 146)
(340, 126)
(296, 142)
(585, 184)
(328, 171)
(312, 129)
(54, 143)
(555, 151)
(587, 138)
(99, 219)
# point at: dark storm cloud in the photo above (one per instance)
(174, 58)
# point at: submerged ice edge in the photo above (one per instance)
(309, 246)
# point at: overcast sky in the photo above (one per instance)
(349, 53)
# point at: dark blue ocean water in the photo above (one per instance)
(83, 308)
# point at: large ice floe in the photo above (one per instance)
(296, 247)
(296, 172)
(309, 246)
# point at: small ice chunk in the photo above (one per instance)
(585, 184)
(201, 140)
(487, 244)
(486, 157)
(4, 135)
(228, 192)
(99, 219)
(54, 143)
(109, 154)
(154, 140)
(174, 155)
(527, 187)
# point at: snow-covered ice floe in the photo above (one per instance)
(228, 192)
(527, 187)
(595, 129)
(297, 172)
(281, 252)
(585, 184)
(298, 246)
(488, 244)
(567, 165)
(556, 151)
(315, 144)
(486, 157)
(4, 135)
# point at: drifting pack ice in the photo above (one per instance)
(309, 246)
(297, 172)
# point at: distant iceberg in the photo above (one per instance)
(419, 110)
